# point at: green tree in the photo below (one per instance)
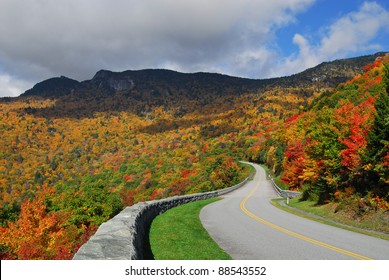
(378, 141)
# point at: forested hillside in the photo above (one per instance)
(72, 155)
(337, 148)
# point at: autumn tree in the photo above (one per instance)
(37, 234)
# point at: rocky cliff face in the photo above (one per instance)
(113, 81)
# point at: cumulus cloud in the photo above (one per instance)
(350, 34)
(40, 39)
(43, 38)
(12, 86)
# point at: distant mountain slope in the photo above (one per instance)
(160, 82)
(179, 93)
(335, 72)
(53, 87)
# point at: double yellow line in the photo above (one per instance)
(294, 234)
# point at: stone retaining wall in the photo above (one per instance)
(126, 236)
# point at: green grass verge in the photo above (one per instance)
(322, 214)
(178, 234)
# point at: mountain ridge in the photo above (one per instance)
(328, 73)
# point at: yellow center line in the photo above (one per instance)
(294, 234)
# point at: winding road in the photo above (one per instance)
(247, 226)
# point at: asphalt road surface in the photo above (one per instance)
(248, 227)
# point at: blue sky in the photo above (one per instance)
(40, 39)
(321, 15)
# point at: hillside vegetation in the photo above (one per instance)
(72, 154)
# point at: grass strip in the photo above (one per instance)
(178, 234)
(307, 210)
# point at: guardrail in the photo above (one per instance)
(281, 192)
(126, 236)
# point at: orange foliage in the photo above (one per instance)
(37, 234)
(357, 121)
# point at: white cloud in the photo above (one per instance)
(355, 31)
(40, 39)
(253, 63)
(348, 35)
(75, 38)
(11, 87)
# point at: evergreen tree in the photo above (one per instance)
(378, 139)
(379, 135)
